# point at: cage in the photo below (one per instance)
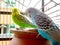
(49, 7)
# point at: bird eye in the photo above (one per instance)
(29, 11)
(30, 15)
(15, 10)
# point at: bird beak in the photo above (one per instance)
(23, 13)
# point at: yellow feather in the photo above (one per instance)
(15, 11)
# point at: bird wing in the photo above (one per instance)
(23, 19)
(45, 23)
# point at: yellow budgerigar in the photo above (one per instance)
(20, 20)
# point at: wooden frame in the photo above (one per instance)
(1, 12)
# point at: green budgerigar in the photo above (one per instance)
(21, 20)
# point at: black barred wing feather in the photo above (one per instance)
(45, 23)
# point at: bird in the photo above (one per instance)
(20, 19)
(44, 23)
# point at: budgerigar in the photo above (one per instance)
(20, 20)
(46, 27)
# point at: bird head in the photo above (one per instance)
(15, 11)
(31, 11)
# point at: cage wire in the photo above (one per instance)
(49, 7)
